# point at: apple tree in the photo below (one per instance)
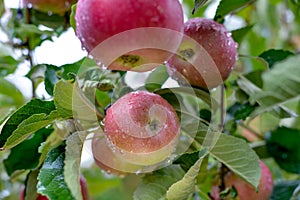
(171, 100)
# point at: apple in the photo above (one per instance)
(108, 161)
(142, 127)
(54, 6)
(206, 55)
(247, 192)
(84, 191)
(135, 35)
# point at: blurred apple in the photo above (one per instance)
(129, 34)
(247, 192)
(206, 55)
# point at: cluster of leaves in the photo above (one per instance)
(42, 139)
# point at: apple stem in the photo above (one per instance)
(221, 125)
(29, 53)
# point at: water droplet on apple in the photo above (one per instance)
(101, 65)
(50, 13)
(102, 123)
(122, 152)
(228, 34)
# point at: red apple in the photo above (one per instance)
(142, 127)
(84, 191)
(206, 55)
(134, 35)
(107, 160)
(247, 192)
(54, 6)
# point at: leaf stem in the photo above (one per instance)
(29, 53)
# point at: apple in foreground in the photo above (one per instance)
(54, 6)
(135, 35)
(246, 192)
(206, 55)
(142, 127)
(84, 191)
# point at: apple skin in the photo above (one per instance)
(84, 191)
(142, 127)
(246, 192)
(204, 69)
(54, 6)
(99, 20)
(108, 161)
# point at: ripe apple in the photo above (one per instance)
(142, 127)
(246, 192)
(84, 191)
(107, 160)
(134, 35)
(54, 6)
(206, 55)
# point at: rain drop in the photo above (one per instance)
(228, 34)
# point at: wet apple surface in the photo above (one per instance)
(206, 56)
(144, 48)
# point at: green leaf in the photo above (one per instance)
(239, 34)
(32, 31)
(155, 185)
(29, 126)
(273, 56)
(72, 17)
(241, 111)
(53, 141)
(51, 181)
(227, 6)
(184, 188)
(35, 106)
(198, 4)
(7, 65)
(53, 21)
(157, 78)
(187, 160)
(18, 159)
(251, 89)
(10, 95)
(51, 78)
(70, 102)
(78, 68)
(283, 145)
(280, 85)
(237, 155)
(283, 190)
(2, 8)
(74, 145)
